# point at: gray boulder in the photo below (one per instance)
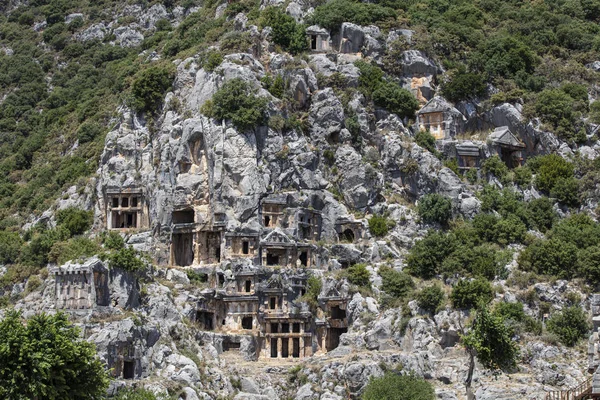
(128, 37)
(416, 63)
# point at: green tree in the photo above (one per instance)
(135, 394)
(588, 264)
(463, 85)
(550, 169)
(469, 293)
(523, 176)
(392, 386)
(285, 31)
(314, 286)
(126, 259)
(149, 88)
(426, 256)
(566, 191)
(435, 208)
(496, 167)
(75, 220)
(570, 325)
(359, 275)
(237, 102)
(426, 141)
(395, 99)
(395, 283)
(378, 225)
(10, 247)
(490, 340)
(430, 298)
(333, 14)
(553, 257)
(541, 214)
(45, 358)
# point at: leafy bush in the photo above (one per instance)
(212, 61)
(514, 316)
(504, 56)
(479, 261)
(285, 31)
(385, 94)
(395, 99)
(135, 394)
(392, 386)
(236, 101)
(149, 88)
(332, 14)
(426, 256)
(359, 275)
(35, 253)
(491, 341)
(196, 277)
(578, 229)
(553, 257)
(496, 167)
(33, 283)
(588, 264)
(550, 169)
(510, 230)
(463, 85)
(313, 290)
(88, 131)
(113, 240)
(541, 214)
(566, 191)
(10, 247)
(570, 325)
(72, 250)
(67, 359)
(469, 294)
(371, 76)
(75, 220)
(430, 298)
(378, 225)
(435, 208)
(126, 259)
(397, 284)
(426, 141)
(523, 176)
(275, 86)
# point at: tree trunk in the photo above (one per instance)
(470, 395)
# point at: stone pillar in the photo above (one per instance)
(302, 347)
(290, 348)
(279, 347)
(108, 217)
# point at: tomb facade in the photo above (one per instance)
(81, 286)
(441, 119)
(126, 209)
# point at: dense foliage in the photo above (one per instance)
(435, 208)
(570, 325)
(392, 386)
(236, 101)
(45, 358)
(385, 93)
(395, 283)
(491, 339)
(358, 274)
(286, 32)
(430, 298)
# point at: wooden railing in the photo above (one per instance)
(578, 393)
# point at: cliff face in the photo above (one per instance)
(250, 236)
